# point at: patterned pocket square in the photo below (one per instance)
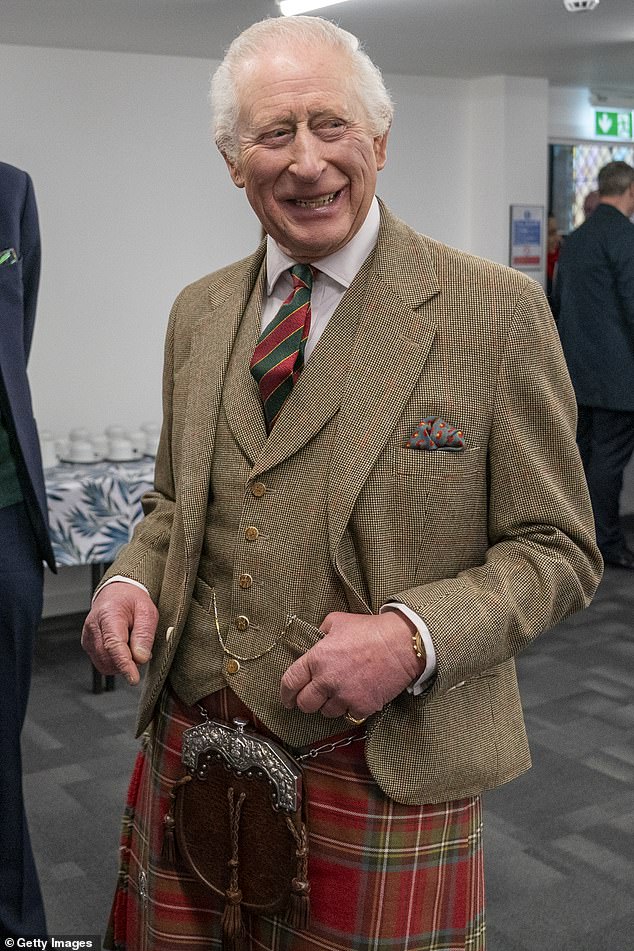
(434, 433)
(8, 256)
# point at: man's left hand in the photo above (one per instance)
(362, 663)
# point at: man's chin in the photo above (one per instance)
(306, 248)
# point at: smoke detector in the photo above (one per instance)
(577, 6)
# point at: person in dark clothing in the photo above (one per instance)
(24, 543)
(593, 303)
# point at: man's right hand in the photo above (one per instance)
(119, 632)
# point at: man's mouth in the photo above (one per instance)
(316, 202)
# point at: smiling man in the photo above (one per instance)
(368, 499)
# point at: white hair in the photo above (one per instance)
(293, 30)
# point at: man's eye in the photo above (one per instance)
(331, 127)
(276, 135)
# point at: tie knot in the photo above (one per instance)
(303, 276)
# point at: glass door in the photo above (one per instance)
(573, 176)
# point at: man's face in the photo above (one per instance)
(307, 160)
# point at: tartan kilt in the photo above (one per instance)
(383, 876)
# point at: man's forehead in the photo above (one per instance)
(292, 59)
(292, 89)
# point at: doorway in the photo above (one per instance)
(573, 173)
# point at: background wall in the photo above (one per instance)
(135, 202)
(508, 130)
(571, 117)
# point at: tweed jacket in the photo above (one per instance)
(490, 546)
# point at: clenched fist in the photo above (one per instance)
(362, 663)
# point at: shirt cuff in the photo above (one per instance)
(137, 584)
(418, 686)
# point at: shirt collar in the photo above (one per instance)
(342, 266)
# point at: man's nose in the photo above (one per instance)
(307, 160)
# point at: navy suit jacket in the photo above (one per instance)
(593, 303)
(19, 282)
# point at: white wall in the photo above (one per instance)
(508, 124)
(135, 202)
(571, 117)
(426, 178)
(131, 209)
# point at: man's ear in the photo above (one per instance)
(380, 149)
(234, 171)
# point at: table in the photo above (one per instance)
(93, 509)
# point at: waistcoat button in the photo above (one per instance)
(251, 533)
(233, 666)
(245, 581)
(242, 622)
(258, 489)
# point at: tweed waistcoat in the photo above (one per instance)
(265, 550)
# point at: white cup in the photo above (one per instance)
(62, 448)
(79, 434)
(48, 450)
(151, 427)
(151, 443)
(100, 444)
(121, 450)
(117, 432)
(82, 450)
(138, 438)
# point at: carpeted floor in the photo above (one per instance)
(559, 841)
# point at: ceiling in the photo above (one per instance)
(462, 38)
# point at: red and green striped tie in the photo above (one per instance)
(279, 356)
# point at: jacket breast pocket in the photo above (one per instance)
(440, 498)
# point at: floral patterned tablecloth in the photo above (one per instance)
(93, 508)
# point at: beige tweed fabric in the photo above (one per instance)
(490, 546)
(285, 576)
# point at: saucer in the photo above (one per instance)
(133, 458)
(80, 462)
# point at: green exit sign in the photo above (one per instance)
(615, 125)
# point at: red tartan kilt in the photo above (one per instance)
(382, 875)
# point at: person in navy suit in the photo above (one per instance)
(24, 543)
(593, 304)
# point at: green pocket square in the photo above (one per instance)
(8, 256)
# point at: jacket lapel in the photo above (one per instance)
(211, 349)
(242, 402)
(394, 337)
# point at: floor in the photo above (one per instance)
(559, 841)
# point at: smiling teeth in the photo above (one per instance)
(317, 202)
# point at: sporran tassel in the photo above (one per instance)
(168, 847)
(298, 912)
(233, 930)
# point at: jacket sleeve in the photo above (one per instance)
(143, 559)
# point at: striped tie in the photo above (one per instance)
(279, 356)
